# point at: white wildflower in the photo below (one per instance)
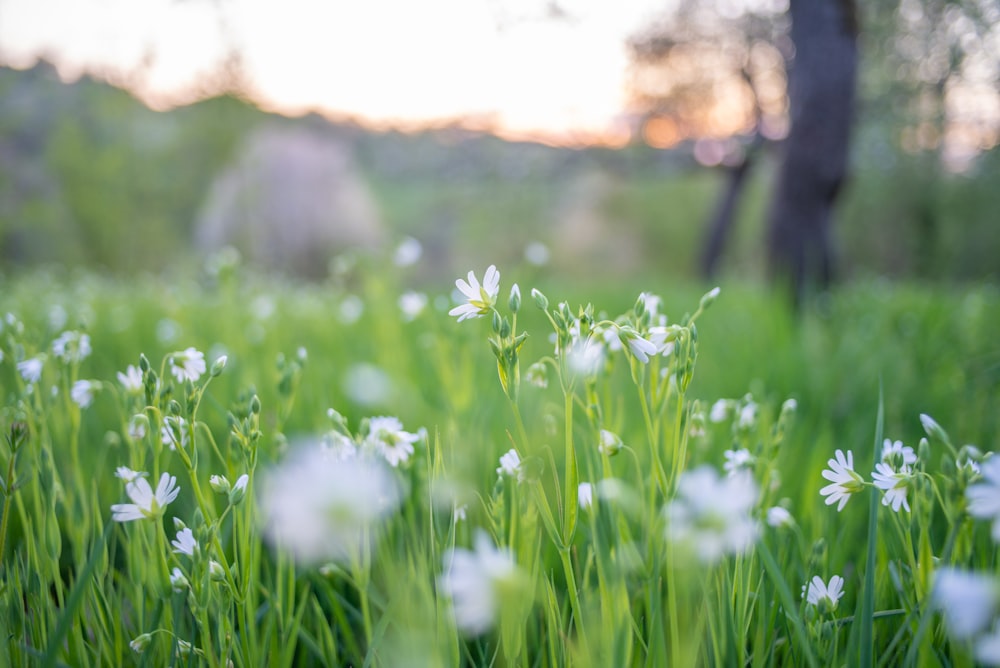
(131, 380)
(719, 410)
(128, 475)
(640, 348)
(480, 299)
(321, 508)
(137, 427)
(175, 432)
(748, 416)
(967, 600)
(585, 495)
(178, 582)
(895, 451)
(824, 596)
(537, 253)
(893, 483)
(845, 481)
(407, 252)
(412, 304)
(187, 365)
(145, 502)
(185, 543)
(510, 465)
(984, 496)
(474, 580)
(988, 647)
(71, 346)
(737, 460)
(31, 369)
(712, 514)
(387, 438)
(82, 392)
(779, 517)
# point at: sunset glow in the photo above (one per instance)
(520, 68)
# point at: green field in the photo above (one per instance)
(348, 560)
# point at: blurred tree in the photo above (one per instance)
(821, 107)
(714, 71)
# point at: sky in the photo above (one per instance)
(530, 68)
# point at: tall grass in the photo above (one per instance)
(566, 501)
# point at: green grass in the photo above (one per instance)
(598, 586)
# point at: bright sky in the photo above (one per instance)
(392, 61)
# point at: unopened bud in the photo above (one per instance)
(219, 484)
(218, 365)
(541, 301)
(515, 298)
(239, 490)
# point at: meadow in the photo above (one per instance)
(223, 468)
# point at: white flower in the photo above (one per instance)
(585, 495)
(137, 427)
(659, 336)
(585, 356)
(638, 346)
(71, 346)
(988, 647)
(131, 380)
(894, 484)
(387, 438)
(473, 580)
(177, 580)
(187, 365)
(984, 496)
(536, 253)
(748, 416)
(30, 369)
(480, 298)
(610, 443)
(845, 481)
(339, 445)
(82, 392)
(651, 303)
(538, 375)
(719, 411)
(460, 512)
(712, 514)
(779, 517)
(185, 543)
(321, 508)
(737, 460)
(968, 600)
(146, 503)
(824, 596)
(412, 304)
(128, 475)
(407, 252)
(895, 450)
(351, 309)
(175, 432)
(510, 464)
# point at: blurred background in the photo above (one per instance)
(822, 139)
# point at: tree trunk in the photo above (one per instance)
(721, 223)
(821, 108)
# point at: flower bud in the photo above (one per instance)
(218, 365)
(515, 298)
(255, 405)
(541, 301)
(239, 490)
(709, 297)
(610, 443)
(141, 642)
(219, 484)
(216, 571)
(144, 367)
(933, 429)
